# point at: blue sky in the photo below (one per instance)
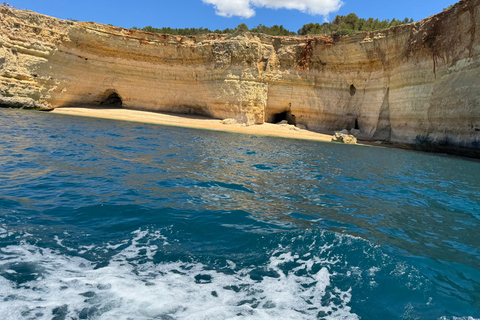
(203, 13)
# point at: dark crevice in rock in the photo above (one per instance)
(277, 43)
(264, 64)
(353, 90)
(112, 100)
(306, 55)
(384, 127)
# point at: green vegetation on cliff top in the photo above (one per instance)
(274, 30)
(341, 25)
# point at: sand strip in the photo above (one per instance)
(191, 121)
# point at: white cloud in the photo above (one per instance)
(245, 8)
(229, 8)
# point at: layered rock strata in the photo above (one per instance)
(416, 84)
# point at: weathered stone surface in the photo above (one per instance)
(355, 132)
(23, 103)
(229, 121)
(344, 138)
(417, 83)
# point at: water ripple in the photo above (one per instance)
(90, 182)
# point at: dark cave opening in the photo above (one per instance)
(113, 100)
(285, 115)
(356, 125)
(353, 90)
(279, 117)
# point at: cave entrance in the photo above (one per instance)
(285, 115)
(113, 100)
(279, 117)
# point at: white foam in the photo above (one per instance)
(180, 290)
(3, 233)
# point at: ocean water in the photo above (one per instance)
(104, 219)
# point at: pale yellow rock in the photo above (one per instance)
(344, 138)
(229, 121)
(416, 83)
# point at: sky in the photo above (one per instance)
(221, 14)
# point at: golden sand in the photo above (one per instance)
(192, 121)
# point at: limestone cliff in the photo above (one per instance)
(415, 84)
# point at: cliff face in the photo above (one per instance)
(417, 83)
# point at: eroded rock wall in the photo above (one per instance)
(416, 84)
(49, 63)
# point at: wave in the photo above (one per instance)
(42, 283)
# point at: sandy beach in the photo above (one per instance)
(193, 121)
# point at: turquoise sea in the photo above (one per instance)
(104, 219)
